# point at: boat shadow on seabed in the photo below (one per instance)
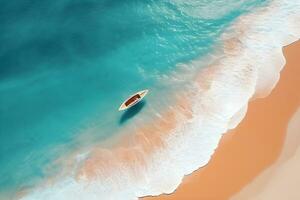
(131, 112)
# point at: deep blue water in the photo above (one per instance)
(66, 66)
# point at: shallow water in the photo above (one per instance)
(66, 66)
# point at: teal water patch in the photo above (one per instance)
(67, 65)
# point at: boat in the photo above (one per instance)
(133, 100)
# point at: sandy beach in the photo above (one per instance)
(281, 180)
(253, 146)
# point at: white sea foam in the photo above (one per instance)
(249, 68)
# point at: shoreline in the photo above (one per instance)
(244, 152)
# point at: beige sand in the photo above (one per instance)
(253, 146)
(281, 180)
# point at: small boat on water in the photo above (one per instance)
(133, 100)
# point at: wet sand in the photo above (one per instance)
(253, 146)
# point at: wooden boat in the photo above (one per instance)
(133, 100)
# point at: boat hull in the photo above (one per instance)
(139, 96)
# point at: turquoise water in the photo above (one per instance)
(67, 65)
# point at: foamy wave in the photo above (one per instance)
(183, 138)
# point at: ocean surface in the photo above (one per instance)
(66, 66)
